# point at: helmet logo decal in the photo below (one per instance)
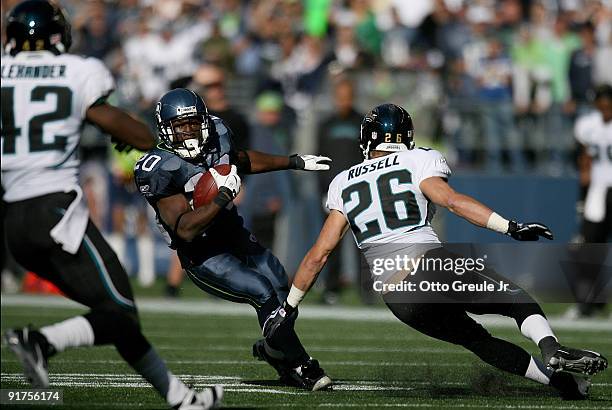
(186, 110)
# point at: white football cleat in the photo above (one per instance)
(209, 398)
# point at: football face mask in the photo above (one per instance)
(186, 136)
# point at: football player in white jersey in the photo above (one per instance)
(46, 96)
(593, 133)
(368, 198)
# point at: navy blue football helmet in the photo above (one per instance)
(388, 127)
(183, 122)
(36, 25)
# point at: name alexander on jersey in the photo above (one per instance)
(33, 71)
(364, 169)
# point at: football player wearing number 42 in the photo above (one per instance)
(217, 252)
(390, 159)
(46, 95)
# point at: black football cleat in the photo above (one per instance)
(308, 376)
(260, 353)
(584, 362)
(571, 386)
(31, 347)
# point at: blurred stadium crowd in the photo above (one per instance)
(495, 85)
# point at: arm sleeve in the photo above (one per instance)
(334, 196)
(433, 165)
(97, 85)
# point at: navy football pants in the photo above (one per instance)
(252, 279)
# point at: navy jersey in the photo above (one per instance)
(160, 173)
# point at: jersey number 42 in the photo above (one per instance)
(10, 130)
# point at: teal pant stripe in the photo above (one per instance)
(249, 300)
(108, 283)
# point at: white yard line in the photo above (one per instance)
(255, 362)
(205, 307)
(234, 385)
(331, 349)
(231, 381)
(440, 405)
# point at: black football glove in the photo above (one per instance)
(528, 231)
(280, 316)
(121, 146)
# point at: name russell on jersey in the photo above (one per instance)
(37, 71)
(382, 164)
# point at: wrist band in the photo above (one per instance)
(295, 162)
(223, 197)
(497, 223)
(295, 296)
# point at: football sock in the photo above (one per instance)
(73, 332)
(536, 328)
(153, 369)
(538, 372)
(501, 354)
(274, 353)
(293, 348)
(548, 346)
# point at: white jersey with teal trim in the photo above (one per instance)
(381, 198)
(596, 135)
(44, 101)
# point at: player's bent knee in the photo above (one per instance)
(110, 322)
(521, 311)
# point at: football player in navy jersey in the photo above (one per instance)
(218, 253)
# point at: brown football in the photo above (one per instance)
(206, 190)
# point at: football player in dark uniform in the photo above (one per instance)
(218, 253)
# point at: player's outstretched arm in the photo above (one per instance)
(255, 162)
(121, 126)
(442, 194)
(332, 232)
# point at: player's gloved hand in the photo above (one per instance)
(229, 183)
(121, 146)
(528, 231)
(277, 318)
(309, 162)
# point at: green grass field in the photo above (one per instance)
(374, 363)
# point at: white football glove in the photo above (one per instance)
(310, 162)
(230, 181)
